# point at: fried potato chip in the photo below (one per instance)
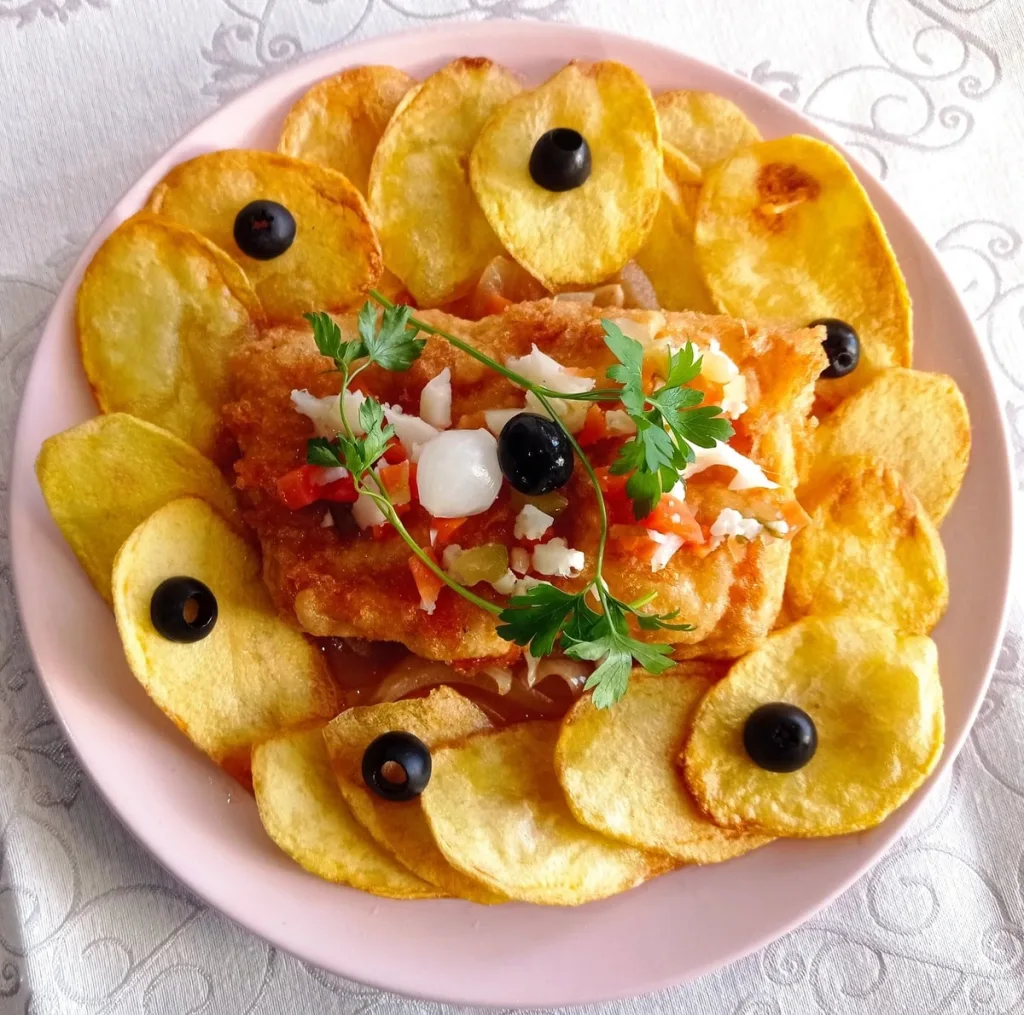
(335, 258)
(870, 549)
(434, 236)
(498, 813)
(303, 811)
(876, 701)
(786, 235)
(400, 827)
(916, 423)
(581, 236)
(159, 311)
(669, 257)
(339, 121)
(704, 126)
(253, 676)
(618, 769)
(107, 475)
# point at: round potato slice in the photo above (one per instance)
(576, 237)
(434, 235)
(870, 549)
(340, 120)
(253, 676)
(876, 700)
(618, 769)
(498, 813)
(914, 422)
(303, 811)
(786, 235)
(107, 475)
(159, 312)
(705, 127)
(669, 257)
(400, 827)
(335, 258)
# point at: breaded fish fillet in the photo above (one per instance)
(346, 583)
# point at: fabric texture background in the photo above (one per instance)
(928, 92)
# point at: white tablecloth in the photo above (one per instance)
(929, 92)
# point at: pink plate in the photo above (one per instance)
(182, 808)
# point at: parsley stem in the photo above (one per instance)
(383, 501)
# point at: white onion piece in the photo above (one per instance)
(749, 475)
(619, 423)
(412, 432)
(326, 476)
(497, 418)
(668, 544)
(572, 412)
(556, 557)
(436, 400)
(540, 368)
(458, 473)
(580, 297)
(366, 513)
(636, 330)
(328, 521)
(326, 412)
(572, 671)
(637, 287)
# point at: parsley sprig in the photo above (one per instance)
(590, 624)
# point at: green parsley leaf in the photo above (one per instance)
(394, 346)
(372, 446)
(644, 490)
(327, 336)
(683, 366)
(703, 426)
(629, 370)
(321, 451)
(536, 619)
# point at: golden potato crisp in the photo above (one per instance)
(335, 258)
(786, 235)
(303, 811)
(339, 121)
(581, 236)
(916, 423)
(870, 549)
(400, 827)
(669, 258)
(498, 813)
(107, 475)
(704, 126)
(434, 235)
(618, 769)
(253, 676)
(159, 311)
(876, 701)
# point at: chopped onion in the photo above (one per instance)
(497, 418)
(458, 473)
(610, 295)
(366, 513)
(506, 584)
(749, 475)
(532, 523)
(540, 368)
(519, 559)
(436, 400)
(639, 331)
(580, 297)
(328, 521)
(326, 476)
(326, 412)
(412, 431)
(637, 287)
(619, 423)
(668, 544)
(556, 558)
(571, 412)
(572, 671)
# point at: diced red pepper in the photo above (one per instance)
(395, 452)
(395, 479)
(595, 427)
(444, 529)
(341, 491)
(616, 502)
(297, 488)
(672, 515)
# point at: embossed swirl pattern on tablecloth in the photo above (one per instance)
(928, 92)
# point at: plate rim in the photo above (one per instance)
(330, 60)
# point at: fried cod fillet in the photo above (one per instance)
(338, 581)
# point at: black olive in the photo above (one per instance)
(560, 160)
(183, 609)
(535, 454)
(264, 230)
(396, 766)
(841, 345)
(780, 737)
